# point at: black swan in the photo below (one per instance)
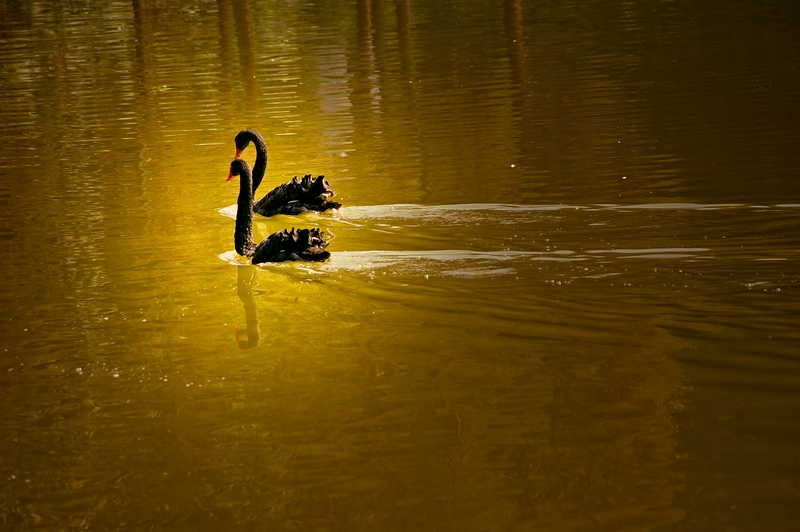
(302, 244)
(294, 197)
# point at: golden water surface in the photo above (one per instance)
(564, 291)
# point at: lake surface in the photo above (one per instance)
(564, 291)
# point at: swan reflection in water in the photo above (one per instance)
(246, 277)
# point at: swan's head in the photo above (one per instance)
(243, 139)
(238, 167)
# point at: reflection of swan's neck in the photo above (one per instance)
(246, 278)
(243, 235)
(260, 166)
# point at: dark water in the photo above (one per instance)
(564, 290)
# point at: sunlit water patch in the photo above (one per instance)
(456, 263)
(460, 214)
(229, 211)
(479, 240)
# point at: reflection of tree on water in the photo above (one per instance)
(246, 276)
(235, 24)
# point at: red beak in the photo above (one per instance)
(230, 176)
(238, 153)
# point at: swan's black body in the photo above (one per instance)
(294, 197)
(301, 244)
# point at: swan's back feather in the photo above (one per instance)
(297, 196)
(301, 244)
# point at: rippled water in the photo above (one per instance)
(562, 292)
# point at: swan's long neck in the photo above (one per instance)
(243, 235)
(260, 166)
